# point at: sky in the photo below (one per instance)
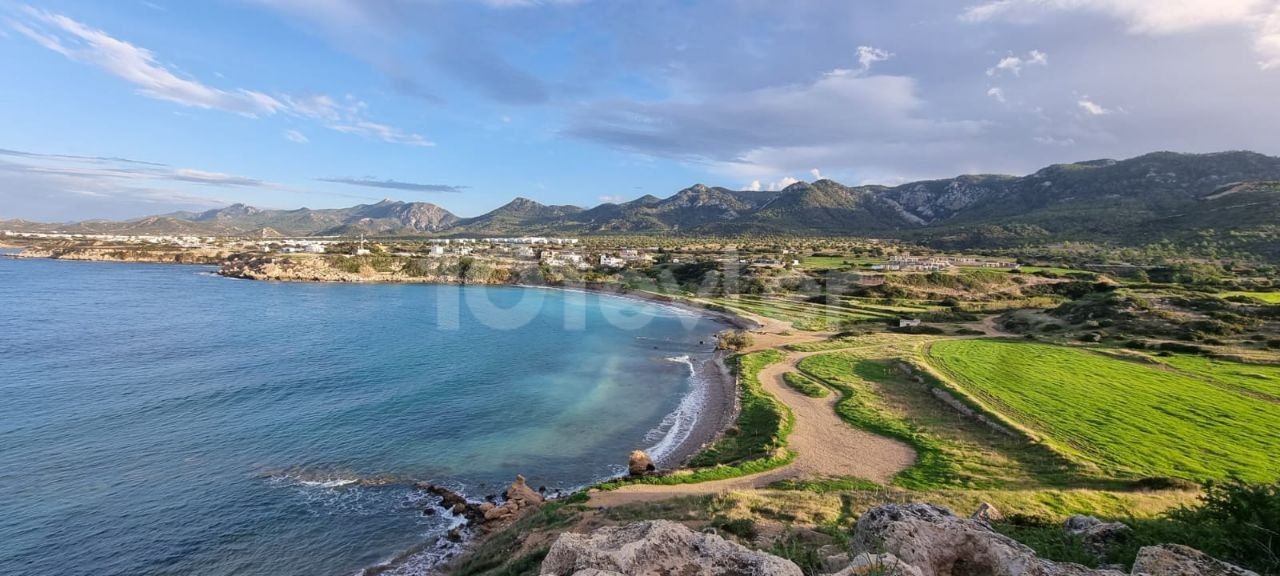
(134, 107)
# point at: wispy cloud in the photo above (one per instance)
(1155, 17)
(153, 79)
(395, 184)
(1093, 108)
(1014, 64)
(296, 136)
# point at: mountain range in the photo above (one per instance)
(1156, 196)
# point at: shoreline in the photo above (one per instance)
(719, 408)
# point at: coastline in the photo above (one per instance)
(719, 406)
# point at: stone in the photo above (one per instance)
(938, 543)
(987, 513)
(639, 464)
(1178, 560)
(866, 564)
(1097, 534)
(520, 493)
(658, 548)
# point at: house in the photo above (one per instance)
(436, 251)
(611, 262)
(908, 322)
(314, 248)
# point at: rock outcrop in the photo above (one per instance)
(658, 548)
(890, 540)
(640, 464)
(488, 516)
(1176, 560)
(1097, 534)
(938, 543)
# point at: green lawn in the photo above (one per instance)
(1268, 297)
(1130, 418)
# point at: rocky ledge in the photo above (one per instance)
(891, 540)
(342, 269)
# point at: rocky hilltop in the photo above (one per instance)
(890, 540)
(1150, 198)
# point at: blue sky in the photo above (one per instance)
(125, 108)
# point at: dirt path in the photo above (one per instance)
(824, 444)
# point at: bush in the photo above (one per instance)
(734, 340)
(1240, 523)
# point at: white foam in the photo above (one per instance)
(676, 427)
(338, 483)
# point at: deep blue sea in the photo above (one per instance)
(159, 419)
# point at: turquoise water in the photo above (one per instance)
(162, 420)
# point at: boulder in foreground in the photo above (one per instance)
(658, 548)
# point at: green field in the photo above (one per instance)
(805, 385)
(1130, 418)
(1268, 297)
(801, 315)
(1260, 378)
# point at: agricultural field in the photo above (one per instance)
(1130, 418)
(802, 315)
(1268, 297)
(1262, 379)
(953, 450)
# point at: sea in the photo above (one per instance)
(163, 420)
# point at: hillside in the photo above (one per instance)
(1154, 197)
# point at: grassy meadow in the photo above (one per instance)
(1132, 419)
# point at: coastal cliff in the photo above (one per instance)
(369, 269)
(158, 255)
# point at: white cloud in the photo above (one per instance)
(1014, 64)
(1155, 17)
(615, 199)
(783, 183)
(754, 186)
(381, 132)
(1093, 108)
(817, 174)
(139, 66)
(998, 94)
(136, 65)
(868, 55)
(296, 136)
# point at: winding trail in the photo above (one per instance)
(824, 444)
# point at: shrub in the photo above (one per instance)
(733, 340)
(1240, 523)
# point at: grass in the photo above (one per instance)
(857, 406)
(756, 443)
(805, 385)
(1263, 379)
(801, 315)
(1268, 297)
(1129, 418)
(955, 451)
(826, 485)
